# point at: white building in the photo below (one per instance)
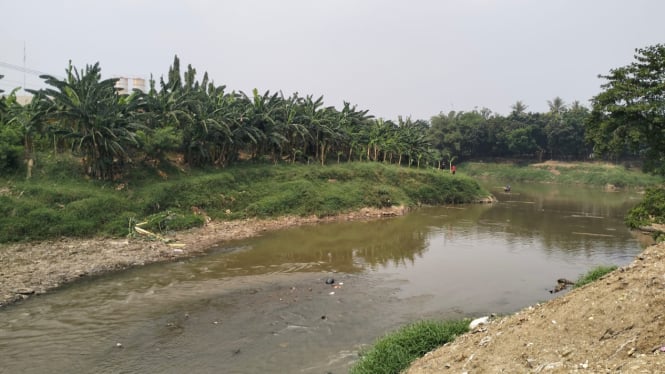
(126, 85)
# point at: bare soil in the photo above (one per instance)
(34, 268)
(616, 324)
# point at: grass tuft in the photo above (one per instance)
(396, 351)
(593, 275)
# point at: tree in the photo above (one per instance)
(88, 113)
(557, 106)
(628, 116)
(518, 108)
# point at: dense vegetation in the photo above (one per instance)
(209, 126)
(629, 116)
(558, 134)
(201, 126)
(112, 132)
(394, 352)
(55, 203)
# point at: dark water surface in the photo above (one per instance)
(262, 306)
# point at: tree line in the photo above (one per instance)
(210, 126)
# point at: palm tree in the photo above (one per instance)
(89, 114)
(518, 108)
(557, 106)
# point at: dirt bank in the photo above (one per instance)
(616, 324)
(33, 268)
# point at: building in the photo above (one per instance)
(126, 85)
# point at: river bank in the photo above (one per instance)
(34, 268)
(615, 324)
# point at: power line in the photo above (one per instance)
(24, 69)
(11, 84)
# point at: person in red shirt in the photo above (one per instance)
(453, 169)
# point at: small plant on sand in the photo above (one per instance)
(395, 351)
(593, 275)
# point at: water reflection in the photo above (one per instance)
(568, 220)
(343, 247)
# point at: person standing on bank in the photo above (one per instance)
(453, 169)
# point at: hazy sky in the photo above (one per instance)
(412, 58)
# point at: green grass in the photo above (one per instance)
(584, 173)
(593, 275)
(396, 351)
(56, 203)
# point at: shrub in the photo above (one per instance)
(173, 221)
(10, 150)
(650, 210)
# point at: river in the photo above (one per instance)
(262, 305)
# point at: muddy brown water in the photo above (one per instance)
(262, 305)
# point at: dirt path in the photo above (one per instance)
(616, 324)
(34, 268)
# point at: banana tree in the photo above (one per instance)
(88, 113)
(294, 130)
(354, 125)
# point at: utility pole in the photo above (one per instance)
(24, 67)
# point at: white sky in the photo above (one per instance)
(412, 58)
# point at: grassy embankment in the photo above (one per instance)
(584, 173)
(57, 201)
(394, 352)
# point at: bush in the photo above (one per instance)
(650, 210)
(173, 221)
(10, 150)
(395, 352)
